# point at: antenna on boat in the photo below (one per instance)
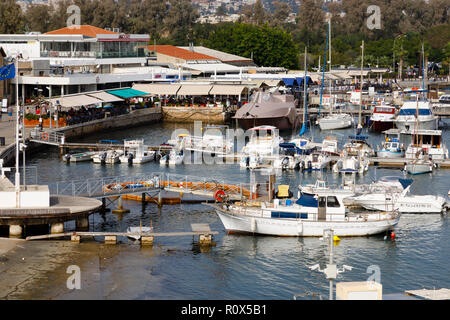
(324, 66)
(360, 89)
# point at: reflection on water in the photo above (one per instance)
(247, 267)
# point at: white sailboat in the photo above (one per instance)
(262, 147)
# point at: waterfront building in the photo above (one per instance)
(81, 59)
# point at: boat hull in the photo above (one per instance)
(301, 228)
(334, 124)
(409, 124)
(390, 154)
(381, 125)
(282, 123)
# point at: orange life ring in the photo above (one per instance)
(219, 195)
(44, 136)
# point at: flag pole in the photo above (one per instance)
(16, 66)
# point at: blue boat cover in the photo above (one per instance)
(290, 82)
(307, 200)
(287, 145)
(405, 182)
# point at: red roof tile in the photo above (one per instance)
(85, 30)
(180, 53)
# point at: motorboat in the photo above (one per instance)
(351, 164)
(402, 202)
(315, 161)
(214, 141)
(330, 146)
(268, 109)
(264, 140)
(135, 152)
(107, 157)
(303, 145)
(419, 166)
(174, 157)
(382, 117)
(289, 157)
(307, 216)
(358, 145)
(427, 143)
(79, 157)
(335, 121)
(406, 119)
(391, 147)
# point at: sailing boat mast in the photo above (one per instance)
(361, 86)
(329, 61)
(304, 126)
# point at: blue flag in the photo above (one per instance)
(8, 72)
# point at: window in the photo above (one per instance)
(332, 202)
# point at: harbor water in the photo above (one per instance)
(238, 266)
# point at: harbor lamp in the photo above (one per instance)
(331, 271)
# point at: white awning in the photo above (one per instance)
(75, 101)
(194, 90)
(105, 97)
(232, 90)
(158, 89)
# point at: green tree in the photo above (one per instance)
(38, 17)
(267, 45)
(179, 21)
(11, 17)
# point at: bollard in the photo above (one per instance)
(205, 239)
(75, 238)
(146, 240)
(110, 239)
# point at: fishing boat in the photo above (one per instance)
(391, 146)
(107, 157)
(315, 161)
(307, 216)
(382, 117)
(135, 152)
(79, 157)
(427, 143)
(358, 145)
(268, 109)
(402, 202)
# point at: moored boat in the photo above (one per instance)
(308, 216)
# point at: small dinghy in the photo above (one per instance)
(136, 230)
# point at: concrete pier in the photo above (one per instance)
(82, 223)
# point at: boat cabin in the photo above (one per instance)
(428, 141)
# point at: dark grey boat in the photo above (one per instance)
(266, 108)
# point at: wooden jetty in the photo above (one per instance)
(202, 230)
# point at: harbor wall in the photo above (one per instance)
(132, 119)
(190, 114)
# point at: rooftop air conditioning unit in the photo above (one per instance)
(117, 30)
(108, 29)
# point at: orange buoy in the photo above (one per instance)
(392, 235)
